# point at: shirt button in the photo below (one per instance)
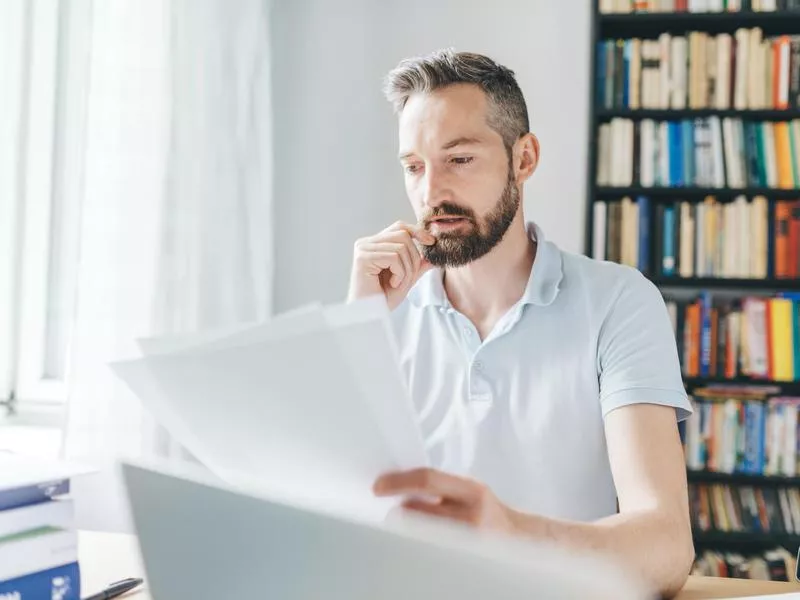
(467, 331)
(478, 365)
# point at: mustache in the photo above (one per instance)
(447, 209)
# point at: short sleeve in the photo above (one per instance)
(637, 353)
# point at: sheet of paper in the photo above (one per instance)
(293, 321)
(368, 346)
(284, 410)
(19, 470)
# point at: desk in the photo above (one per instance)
(108, 557)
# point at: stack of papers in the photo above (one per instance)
(310, 407)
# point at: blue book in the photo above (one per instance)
(32, 494)
(705, 334)
(674, 152)
(644, 233)
(668, 256)
(601, 74)
(687, 138)
(61, 583)
(626, 81)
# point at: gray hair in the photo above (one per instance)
(508, 114)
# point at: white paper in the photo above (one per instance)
(242, 333)
(18, 471)
(366, 341)
(308, 407)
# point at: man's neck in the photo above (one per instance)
(485, 289)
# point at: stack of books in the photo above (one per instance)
(708, 152)
(743, 70)
(739, 431)
(38, 543)
(776, 565)
(753, 336)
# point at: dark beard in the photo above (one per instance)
(459, 249)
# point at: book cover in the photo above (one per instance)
(59, 583)
(782, 339)
(36, 550)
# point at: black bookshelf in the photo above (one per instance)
(646, 25)
(745, 541)
(788, 388)
(650, 26)
(741, 479)
(670, 194)
(721, 283)
(661, 114)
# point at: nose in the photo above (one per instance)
(436, 190)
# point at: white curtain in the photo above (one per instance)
(176, 218)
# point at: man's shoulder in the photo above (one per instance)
(598, 276)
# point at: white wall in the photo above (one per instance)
(337, 177)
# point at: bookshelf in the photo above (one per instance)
(653, 27)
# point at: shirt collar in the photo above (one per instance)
(541, 290)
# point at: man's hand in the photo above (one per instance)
(389, 263)
(452, 497)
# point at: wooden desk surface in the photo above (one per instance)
(105, 558)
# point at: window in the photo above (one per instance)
(42, 101)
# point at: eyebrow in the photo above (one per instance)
(461, 141)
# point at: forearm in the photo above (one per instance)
(664, 560)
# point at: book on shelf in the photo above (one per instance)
(751, 336)
(777, 564)
(708, 152)
(746, 435)
(695, 6)
(745, 70)
(741, 239)
(723, 508)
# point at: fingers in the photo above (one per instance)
(449, 510)
(420, 234)
(429, 482)
(383, 257)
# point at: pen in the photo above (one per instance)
(116, 589)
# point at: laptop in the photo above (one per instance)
(203, 540)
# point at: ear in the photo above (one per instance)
(526, 157)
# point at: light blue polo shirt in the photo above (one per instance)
(522, 410)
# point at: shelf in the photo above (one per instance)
(650, 25)
(727, 283)
(789, 388)
(741, 479)
(678, 114)
(707, 539)
(693, 193)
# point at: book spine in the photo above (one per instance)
(62, 583)
(33, 494)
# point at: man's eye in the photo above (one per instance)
(411, 168)
(463, 160)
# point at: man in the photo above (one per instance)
(547, 383)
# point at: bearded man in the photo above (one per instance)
(547, 384)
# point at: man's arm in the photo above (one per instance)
(651, 535)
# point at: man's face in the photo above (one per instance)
(458, 175)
